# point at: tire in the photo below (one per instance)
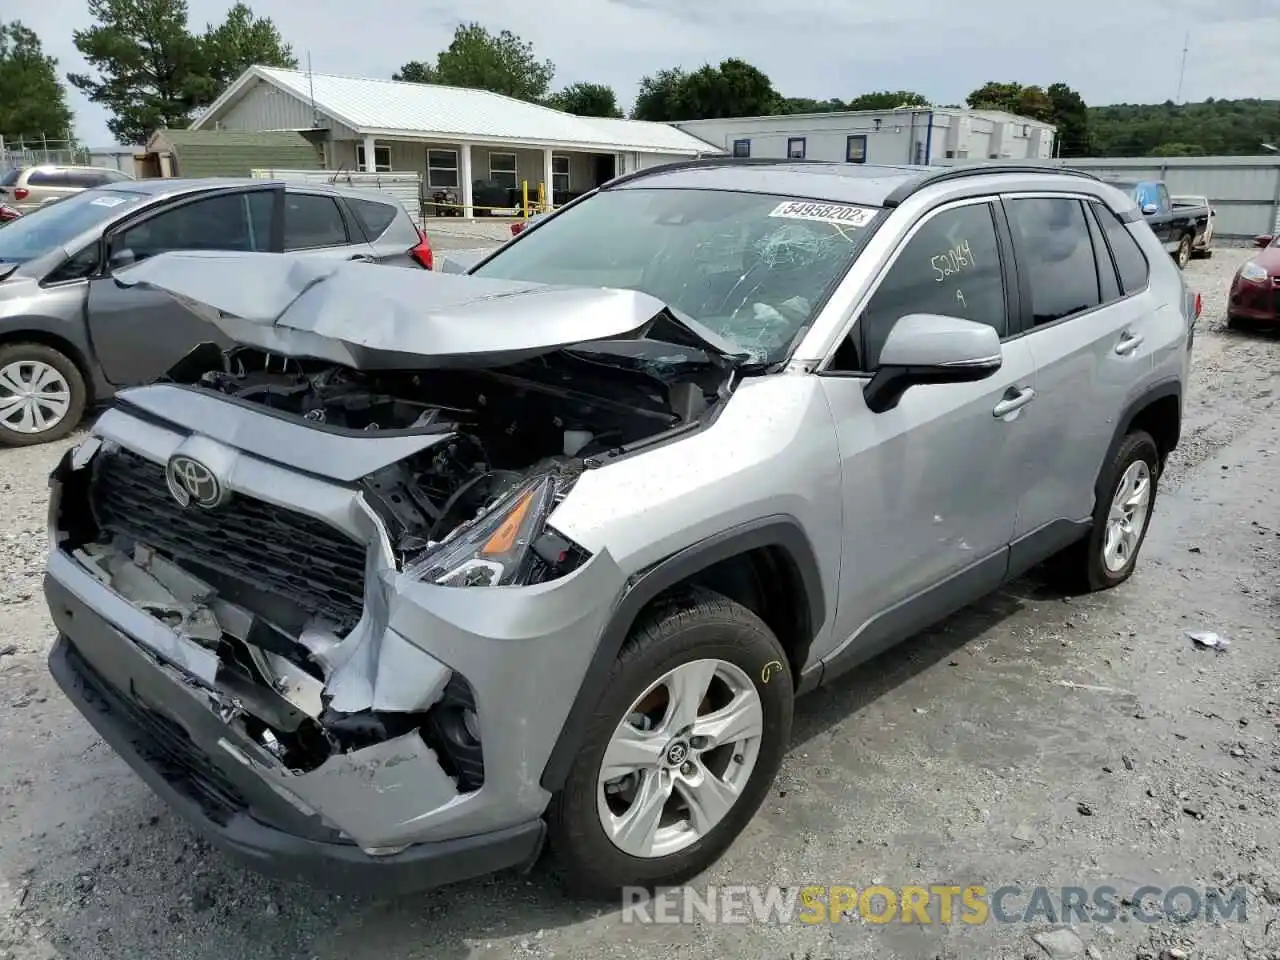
(1183, 254)
(1085, 566)
(697, 629)
(1235, 323)
(34, 364)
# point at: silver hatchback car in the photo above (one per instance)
(429, 569)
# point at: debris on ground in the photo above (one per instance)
(1209, 640)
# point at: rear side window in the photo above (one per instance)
(1055, 248)
(374, 217)
(1130, 262)
(311, 221)
(46, 178)
(84, 178)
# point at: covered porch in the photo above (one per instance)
(470, 179)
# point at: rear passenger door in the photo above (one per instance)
(1088, 319)
(388, 229)
(314, 224)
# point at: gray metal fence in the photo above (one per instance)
(1244, 191)
(17, 152)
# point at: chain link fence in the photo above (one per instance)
(25, 152)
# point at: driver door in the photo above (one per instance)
(931, 487)
(137, 334)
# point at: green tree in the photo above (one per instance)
(733, 89)
(33, 103)
(659, 96)
(241, 41)
(1071, 117)
(415, 71)
(809, 105)
(149, 71)
(586, 100)
(995, 96)
(481, 60)
(887, 100)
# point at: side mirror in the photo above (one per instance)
(1264, 240)
(1148, 209)
(122, 258)
(926, 348)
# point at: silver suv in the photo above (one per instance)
(431, 568)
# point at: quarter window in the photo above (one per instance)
(374, 217)
(312, 221)
(1056, 251)
(1130, 262)
(951, 266)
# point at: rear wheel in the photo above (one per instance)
(1183, 254)
(681, 752)
(42, 394)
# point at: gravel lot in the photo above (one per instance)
(1032, 739)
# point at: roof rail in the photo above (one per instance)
(709, 161)
(899, 194)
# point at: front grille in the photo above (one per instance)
(166, 747)
(264, 546)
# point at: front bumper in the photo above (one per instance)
(1255, 301)
(235, 811)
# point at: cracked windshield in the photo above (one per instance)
(755, 268)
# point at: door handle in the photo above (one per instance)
(1015, 399)
(1129, 342)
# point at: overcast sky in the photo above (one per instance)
(1112, 51)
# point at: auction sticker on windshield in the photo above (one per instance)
(841, 213)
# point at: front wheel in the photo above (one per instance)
(42, 394)
(681, 752)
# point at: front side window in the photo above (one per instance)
(222, 222)
(312, 221)
(754, 268)
(1056, 251)
(951, 267)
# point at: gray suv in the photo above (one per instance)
(430, 568)
(70, 336)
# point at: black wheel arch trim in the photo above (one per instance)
(779, 530)
(1161, 390)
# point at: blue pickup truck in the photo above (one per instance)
(1179, 227)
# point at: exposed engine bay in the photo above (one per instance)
(265, 607)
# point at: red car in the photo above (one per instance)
(1255, 290)
(8, 213)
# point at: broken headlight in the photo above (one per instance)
(508, 545)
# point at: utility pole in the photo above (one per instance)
(1182, 71)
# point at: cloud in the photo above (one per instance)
(1111, 52)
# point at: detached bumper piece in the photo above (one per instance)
(182, 754)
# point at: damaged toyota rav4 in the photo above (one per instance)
(429, 571)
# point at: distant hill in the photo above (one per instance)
(1210, 128)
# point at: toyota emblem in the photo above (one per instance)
(190, 481)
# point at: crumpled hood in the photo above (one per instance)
(369, 317)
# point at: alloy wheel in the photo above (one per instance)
(1127, 517)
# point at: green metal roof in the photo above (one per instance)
(230, 153)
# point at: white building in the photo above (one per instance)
(921, 135)
(473, 144)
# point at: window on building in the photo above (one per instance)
(796, 148)
(1055, 247)
(381, 158)
(442, 168)
(312, 221)
(742, 148)
(855, 148)
(1131, 264)
(502, 169)
(560, 174)
(951, 266)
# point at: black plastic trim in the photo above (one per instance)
(1166, 388)
(900, 194)
(1042, 543)
(778, 530)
